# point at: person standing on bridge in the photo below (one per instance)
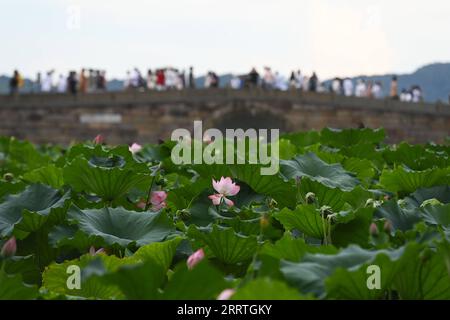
(313, 82)
(394, 88)
(298, 80)
(268, 79)
(191, 80)
(361, 89)
(62, 84)
(348, 87)
(47, 82)
(253, 78)
(83, 81)
(14, 83)
(72, 82)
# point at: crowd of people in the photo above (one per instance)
(159, 79)
(91, 80)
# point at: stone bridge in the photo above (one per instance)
(125, 117)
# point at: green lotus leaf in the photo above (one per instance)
(137, 281)
(346, 137)
(401, 179)
(293, 249)
(56, 277)
(287, 150)
(13, 288)
(302, 139)
(7, 188)
(31, 209)
(117, 226)
(109, 183)
(437, 214)
(22, 156)
(266, 289)
(353, 284)
(272, 186)
(226, 245)
(305, 218)
(402, 218)
(201, 283)
(161, 253)
(415, 157)
(440, 193)
(49, 175)
(309, 165)
(309, 275)
(355, 230)
(423, 275)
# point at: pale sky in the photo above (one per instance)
(332, 37)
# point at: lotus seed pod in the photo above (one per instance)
(8, 177)
(310, 197)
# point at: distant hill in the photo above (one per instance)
(434, 80)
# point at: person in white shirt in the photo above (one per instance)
(127, 82)
(377, 91)
(47, 82)
(151, 80)
(280, 82)
(135, 76)
(361, 88)
(298, 80)
(416, 94)
(62, 84)
(235, 82)
(268, 80)
(348, 87)
(336, 86)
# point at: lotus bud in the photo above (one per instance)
(373, 229)
(99, 139)
(298, 180)
(370, 203)
(8, 177)
(310, 197)
(9, 248)
(94, 252)
(184, 214)
(195, 258)
(226, 294)
(387, 226)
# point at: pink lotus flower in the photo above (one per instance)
(225, 187)
(99, 139)
(94, 252)
(226, 294)
(373, 229)
(158, 200)
(135, 148)
(9, 248)
(195, 258)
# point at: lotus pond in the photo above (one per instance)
(93, 221)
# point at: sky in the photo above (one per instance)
(331, 37)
